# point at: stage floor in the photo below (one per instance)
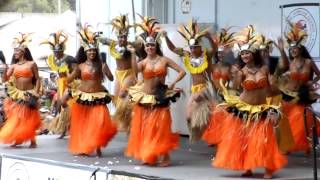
(190, 161)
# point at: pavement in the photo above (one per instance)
(190, 161)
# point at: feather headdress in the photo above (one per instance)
(224, 39)
(22, 40)
(120, 25)
(151, 29)
(246, 40)
(192, 33)
(57, 40)
(264, 43)
(296, 35)
(88, 37)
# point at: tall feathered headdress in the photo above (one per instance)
(120, 25)
(151, 29)
(264, 42)
(246, 40)
(88, 37)
(192, 33)
(57, 40)
(22, 40)
(296, 35)
(224, 39)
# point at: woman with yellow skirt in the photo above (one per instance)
(21, 105)
(91, 126)
(150, 135)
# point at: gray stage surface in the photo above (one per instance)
(190, 161)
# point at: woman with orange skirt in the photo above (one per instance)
(249, 140)
(21, 105)
(150, 135)
(91, 126)
(223, 72)
(298, 90)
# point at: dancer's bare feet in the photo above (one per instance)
(33, 144)
(165, 161)
(99, 154)
(248, 173)
(268, 174)
(15, 145)
(307, 152)
(62, 135)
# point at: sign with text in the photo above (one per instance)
(306, 16)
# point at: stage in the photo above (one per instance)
(190, 161)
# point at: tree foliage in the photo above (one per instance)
(35, 6)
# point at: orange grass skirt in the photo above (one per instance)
(150, 134)
(214, 131)
(91, 128)
(294, 112)
(244, 148)
(21, 123)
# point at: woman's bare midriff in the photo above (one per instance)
(198, 79)
(150, 85)
(254, 97)
(91, 86)
(24, 84)
(123, 64)
(293, 85)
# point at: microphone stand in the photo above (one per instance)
(314, 138)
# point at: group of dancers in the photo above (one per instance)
(251, 109)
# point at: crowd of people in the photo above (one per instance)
(251, 109)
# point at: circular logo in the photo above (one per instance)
(17, 171)
(304, 19)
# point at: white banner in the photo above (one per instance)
(13, 169)
(306, 15)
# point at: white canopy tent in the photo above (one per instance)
(41, 25)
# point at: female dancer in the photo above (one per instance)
(223, 72)
(298, 88)
(21, 105)
(198, 63)
(150, 135)
(249, 140)
(91, 126)
(125, 77)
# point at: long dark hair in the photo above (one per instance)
(2, 58)
(256, 58)
(142, 54)
(303, 51)
(26, 55)
(81, 57)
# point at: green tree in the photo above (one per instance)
(35, 6)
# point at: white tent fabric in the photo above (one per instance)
(41, 25)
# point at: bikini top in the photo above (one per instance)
(297, 76)
(218, 75)
(86, 74)
(251, 84)
(149, 73)
(22, 71)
